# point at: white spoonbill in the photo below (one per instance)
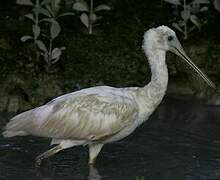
(99, 115)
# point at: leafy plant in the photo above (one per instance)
(89, 14)
(187, 19)
(139, 178)
(217, 5)
(43, 13)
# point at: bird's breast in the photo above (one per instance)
(148, 100)
(124, 132)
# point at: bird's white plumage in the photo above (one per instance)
(89, 114)
(101, 114)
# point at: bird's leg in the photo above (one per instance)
(47, 154)
(94, 173)
(94, 150)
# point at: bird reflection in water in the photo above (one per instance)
(94, 174)
(48, 173)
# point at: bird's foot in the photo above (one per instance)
(92, 162)
(38, 161)
(47, 154)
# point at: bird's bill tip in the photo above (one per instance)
(178, 50)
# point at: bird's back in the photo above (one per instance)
(89, 114)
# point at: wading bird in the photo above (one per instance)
(99, 115)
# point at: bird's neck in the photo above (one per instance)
(155, 90)
(150, 96)
(159, 72)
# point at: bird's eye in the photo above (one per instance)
(170, 38)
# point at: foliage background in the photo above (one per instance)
(112, 56)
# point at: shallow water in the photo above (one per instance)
(181, 141)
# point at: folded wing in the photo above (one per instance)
(84, 116)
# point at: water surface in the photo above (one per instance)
(181, 141)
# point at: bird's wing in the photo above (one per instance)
(88, 116)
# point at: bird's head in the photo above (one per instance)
(164, 39)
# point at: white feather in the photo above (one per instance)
(101, 114)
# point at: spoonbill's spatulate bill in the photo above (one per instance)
(99, 115)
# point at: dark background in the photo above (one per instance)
(111, 56)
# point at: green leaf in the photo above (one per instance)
(50, 20)
(67, 14)
(50, 11)
(81, 6)
(201, 1)
(205, 8)
(217, 5)
(25, 38)
(177, 27)
(55, 60)
(25, 2)
(36, 31)
(93, 17)
(55, 29)
(41, 45)
(195, 20)
(102, 7)
(40, 10)
(99, 17)
(56, 53)
(185, 14)
(30, 16)
(181, 23)
(175, 2)
(84, 19)
(45, 2)
(191, 29)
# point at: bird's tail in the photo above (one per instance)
(8, 133)
(16, 126)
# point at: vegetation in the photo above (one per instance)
(186, 19)
(217, 5)
(189, 15)
(89, 15)
(41, 26)
(113, 57)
